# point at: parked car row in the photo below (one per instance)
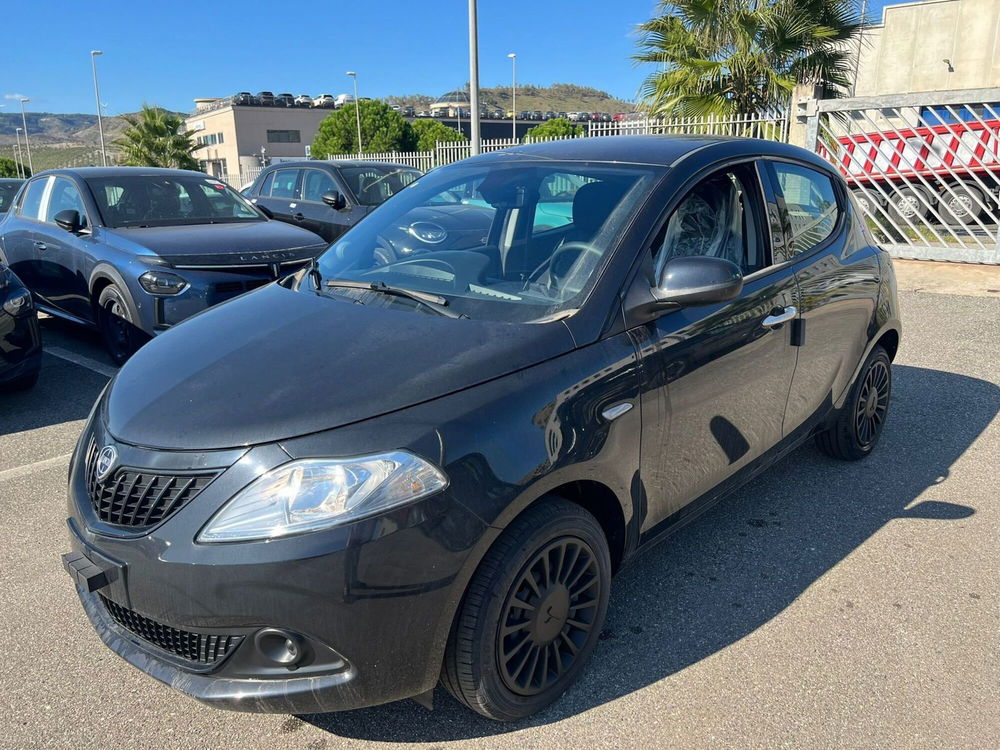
(269, 99)
(420, 456)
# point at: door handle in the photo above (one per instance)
(778, 318)
(40, 245)
(299, 217)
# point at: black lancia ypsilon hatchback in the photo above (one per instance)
(371, 476)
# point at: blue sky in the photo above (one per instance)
(217, 47)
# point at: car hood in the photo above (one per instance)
(238, 243)
(279, 363)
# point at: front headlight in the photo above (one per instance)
(319, 493)
(161, 282)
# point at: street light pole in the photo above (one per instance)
(27, 145)
(473, 77)
(20, 156)
(97, 95)
(357, 107)
(513, 95)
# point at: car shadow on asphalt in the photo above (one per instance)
(743, 562)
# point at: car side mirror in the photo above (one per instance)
(69, 219)
(335, 199)
(698, 280)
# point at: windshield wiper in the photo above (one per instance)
(431, 301)
(314, 273)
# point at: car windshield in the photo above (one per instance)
(373, 185)
(130, 200)
(514, 241)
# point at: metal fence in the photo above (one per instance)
(924, 168)
(772, 126)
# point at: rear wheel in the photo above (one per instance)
(859, 423)
(532, 613)
(114, 319)
(910, 204)
(962, 205)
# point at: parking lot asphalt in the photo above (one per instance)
(825, 604)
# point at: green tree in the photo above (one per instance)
(728, 57)
(560, 127)
(155, 139)
(9, 168)
(382, 129)
(427, 133)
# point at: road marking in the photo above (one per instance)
(79, 359)
(23, 471)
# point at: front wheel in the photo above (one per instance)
(859, 423)
(532, 613)
(121, 338)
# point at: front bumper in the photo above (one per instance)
(20, 345)
(372, 601)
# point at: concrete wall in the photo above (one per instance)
(906, 53)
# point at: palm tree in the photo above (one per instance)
(726, 57)
(155, 139)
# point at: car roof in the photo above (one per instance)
(664, 150)
(85, 172)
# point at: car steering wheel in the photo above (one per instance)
(554, 267)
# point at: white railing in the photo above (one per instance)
(423, 160)
(769, 126)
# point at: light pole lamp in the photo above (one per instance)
(27, 145)
(513, 95)
(97, 95)
(357, 107)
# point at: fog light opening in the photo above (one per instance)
(280, 647)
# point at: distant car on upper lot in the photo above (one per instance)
(284, 100)
(244, 97)
(303, 100)
(549, 115)
(8, 190)
(423, 113)
(135, 250)
(579, 116)
(327, 197)
(325, 101)
(20, 342)
(265, 98)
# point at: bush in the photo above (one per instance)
(9, 168)
(560, 127)
(428, 132)
(382, 129)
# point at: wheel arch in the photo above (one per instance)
(103, 276)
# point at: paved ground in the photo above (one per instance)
(824, 605)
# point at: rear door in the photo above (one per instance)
(19, 232)
(718, 375)
(282, 196)
(837, 270)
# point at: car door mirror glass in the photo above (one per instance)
(335, 199)
(69, 219)
(698, 280)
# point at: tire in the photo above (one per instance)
(962, 205)
(868, 204)
(114, 320)
(910, 203)
(21, 382)
(859, 423)
(506, 663)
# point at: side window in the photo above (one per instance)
(31, 202)
(811, 202)
(285, 181)
(717, 218)
(555, 200)
(314, 183)
(265, 186)
(65, 196)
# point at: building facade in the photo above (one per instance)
(238, 140)
(932, 45)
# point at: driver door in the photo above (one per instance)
(717, 376)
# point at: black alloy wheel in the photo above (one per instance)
(548, 616)
(859, 423)
(115, 323)
(532, 613)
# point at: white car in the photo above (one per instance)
(325, 100)
(303, 100)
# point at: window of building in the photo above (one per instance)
(284, 136)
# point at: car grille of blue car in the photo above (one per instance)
(202, 648)
(138, 498)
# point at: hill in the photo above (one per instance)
(559, 97)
